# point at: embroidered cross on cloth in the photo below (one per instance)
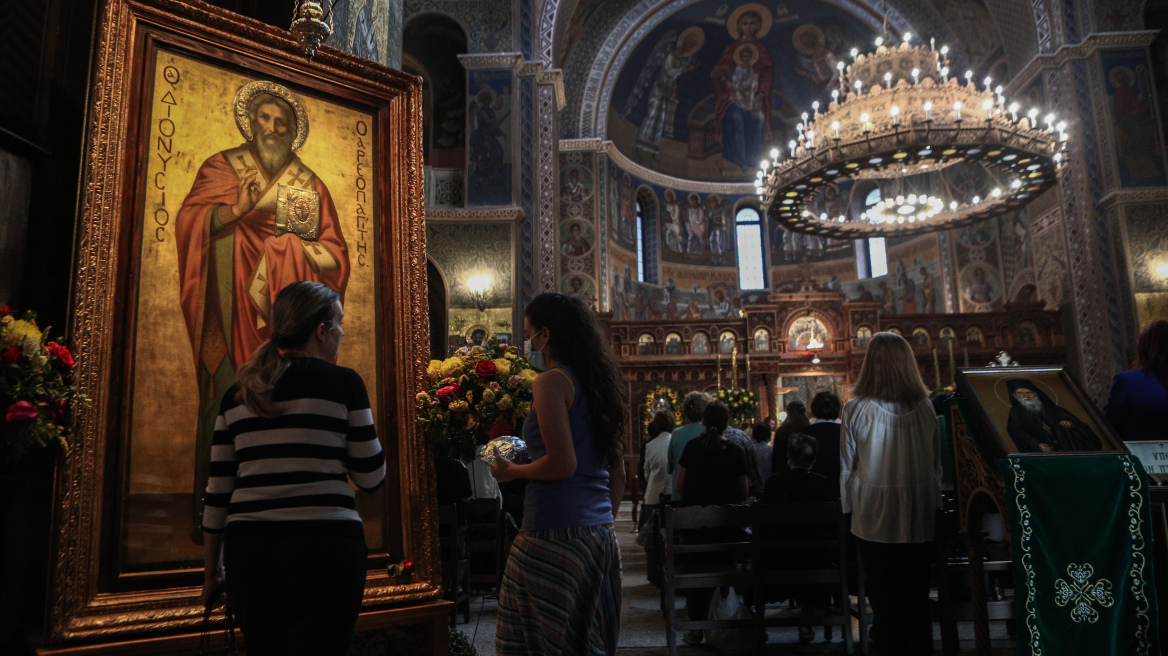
(1082, 547)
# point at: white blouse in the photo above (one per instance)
(658, 480)
(890, 457)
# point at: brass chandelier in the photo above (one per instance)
(897, 115)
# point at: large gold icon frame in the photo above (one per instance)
(94, 594)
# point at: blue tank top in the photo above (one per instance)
(583, 499)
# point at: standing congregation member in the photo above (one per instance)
(712, 472)
(692, 408)
(891, 484)
(655, 465)
(280, 515)
(1138, 404)
(826, 430)
(561, 590)
(761, 433)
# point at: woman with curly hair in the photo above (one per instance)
(561, 590)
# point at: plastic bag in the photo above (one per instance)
(729, 606)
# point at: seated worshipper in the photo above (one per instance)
(1038, 425)
(762, 449)
(753, 473)
(795, 422)
(692, 408)
(711, 472)
(826, 431)
(655, 477)
(800, 484)
(1138, 404)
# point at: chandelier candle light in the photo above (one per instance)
(896, 115)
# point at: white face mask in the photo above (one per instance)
(533, 357)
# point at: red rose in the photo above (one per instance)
(499, 429)
(11, 355)
(21, 411)
(61, 353)
(486, 369)
(57, 408)
(449, 393)
(4, 309)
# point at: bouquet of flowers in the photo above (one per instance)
(659, 399)
(36, 387)
(480, 393)
(741, 402)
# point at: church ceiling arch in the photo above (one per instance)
(595, 39)
(700, 94)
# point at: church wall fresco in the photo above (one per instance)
(705, 90)
(578, 194)
(1146, 228)
(1134, 129)
(488, 23)
(977, 258)
(913, 283)
(465, 249)
(434, 48)
(1050, 260)
(489, 138)
(363, 27)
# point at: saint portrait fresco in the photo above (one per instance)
(251, 185)
(802, 331)
(256, 219)
(762, 340)
(1034, 410)
(645, 345)
(726, 342)
(701, 344)
(673, 344)
(863, 336)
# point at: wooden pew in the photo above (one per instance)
(755, 563)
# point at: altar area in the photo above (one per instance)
(765, 348)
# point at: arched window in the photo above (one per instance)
(751, 264)
(872, 253)
(640, 242)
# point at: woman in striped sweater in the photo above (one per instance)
(280, 513)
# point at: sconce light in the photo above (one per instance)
(479, 286)
(1162, 269)
(814, 347)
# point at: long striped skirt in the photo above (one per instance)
(561, 594)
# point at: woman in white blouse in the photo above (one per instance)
(890, 482)
(657, 481)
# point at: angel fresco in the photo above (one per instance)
(486, 137)
(742, 79)
(673, 56)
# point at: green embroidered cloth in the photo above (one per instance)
(1082, 540)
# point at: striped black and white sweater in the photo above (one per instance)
(288, 475)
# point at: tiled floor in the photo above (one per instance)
(643, 627)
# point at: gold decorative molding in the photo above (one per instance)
(1083, 50)
(503, 213)
(85, 604)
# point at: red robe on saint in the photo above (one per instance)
(261, 264)
(723, 72)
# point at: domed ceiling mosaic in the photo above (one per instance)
(712, 87)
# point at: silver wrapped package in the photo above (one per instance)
(510, 447)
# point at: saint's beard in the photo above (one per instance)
(1031, 405)
(274, 150)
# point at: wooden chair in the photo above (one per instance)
(755, 564)
(485, 542)
(452, 535)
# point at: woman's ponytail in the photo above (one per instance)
(298, 310)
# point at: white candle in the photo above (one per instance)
(928, 109)
(957, 108)
(894, 111)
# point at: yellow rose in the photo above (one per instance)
(529, 374)
(488, 396)
(502, 366)
(504, 402)
(422, 397)
(459, 406)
